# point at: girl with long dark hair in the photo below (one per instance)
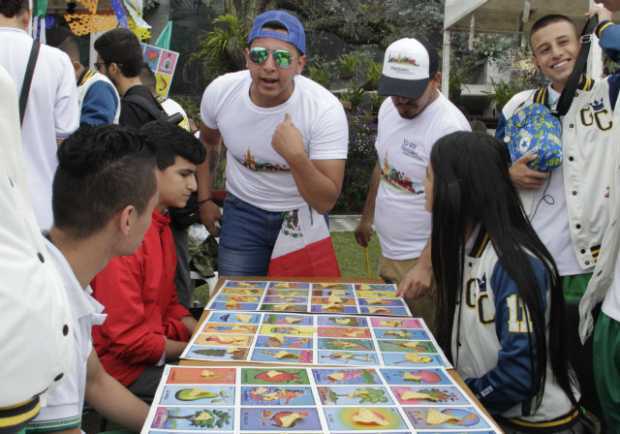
(500, 303)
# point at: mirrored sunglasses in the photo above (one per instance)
(282, 58)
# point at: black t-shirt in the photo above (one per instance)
(133, 113)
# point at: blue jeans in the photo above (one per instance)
(247, 238)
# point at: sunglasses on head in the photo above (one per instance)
(282, 58)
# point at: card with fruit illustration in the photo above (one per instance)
(300, 297)
(412, 359)
(280, 418)
(228, 304)
(232, 353)
(223, 340)
(231, 317)
(177, 375)
(249, 400)
(402, 334)
(346, 344)
(194, 418)
(348, 358)
(416, 377)
(446, 418)
(367, 419)
(281, 341)
(199, 395)
(276, 395)
(355, 395)
(407, 346)
(346, 376)
(342, 321)
(274, 376)
(282, 355)
(288, 319)
(428, 395)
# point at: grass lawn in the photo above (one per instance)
(351, 256)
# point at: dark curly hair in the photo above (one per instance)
(122, 47)
(11, 8)
(168, 141)
(101, 170)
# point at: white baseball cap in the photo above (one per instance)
(408, 66)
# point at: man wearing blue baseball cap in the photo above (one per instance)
(286, 139)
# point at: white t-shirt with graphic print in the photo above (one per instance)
(404, 148)
(255, 172)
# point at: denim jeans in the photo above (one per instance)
(247, 238)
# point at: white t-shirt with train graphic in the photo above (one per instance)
(255, 172)
(404, 148)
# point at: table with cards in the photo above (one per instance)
(253, 366)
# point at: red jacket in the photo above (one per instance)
(140, 298)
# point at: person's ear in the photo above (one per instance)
(126, 218)
(535, 62)
(301, 63)
(77, 67)
(26, 18)
(246, 54)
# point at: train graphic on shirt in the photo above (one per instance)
(398, 179)
(249, 161)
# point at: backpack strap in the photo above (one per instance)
(148, 106)
(581, 64)
(23, 96)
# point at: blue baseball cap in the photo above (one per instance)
(295, 30)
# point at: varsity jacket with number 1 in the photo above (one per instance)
(491, 345)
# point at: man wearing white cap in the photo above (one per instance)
(414, 117)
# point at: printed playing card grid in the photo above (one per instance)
(279, 296)
(312, 400)
(308, 339)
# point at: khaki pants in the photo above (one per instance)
(393, 271)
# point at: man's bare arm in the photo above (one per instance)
(205, 175)
(363, 232)
(319, 181)
(417, 282)
(111, 399)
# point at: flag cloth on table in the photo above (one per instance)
(304, 247)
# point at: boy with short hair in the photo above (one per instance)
(568, 207)
(146, 324)
(104, 191)
(119, 57)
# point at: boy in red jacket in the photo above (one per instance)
(146, 324)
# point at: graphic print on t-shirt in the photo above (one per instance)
(398, 179)
(410, 149)
(260, 166)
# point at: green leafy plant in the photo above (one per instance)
(352, 98)
(221, 50)
(319, 73)
(373, 74)
(348, 65)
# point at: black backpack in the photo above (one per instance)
(181, 217)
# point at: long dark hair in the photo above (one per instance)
(472, 188)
